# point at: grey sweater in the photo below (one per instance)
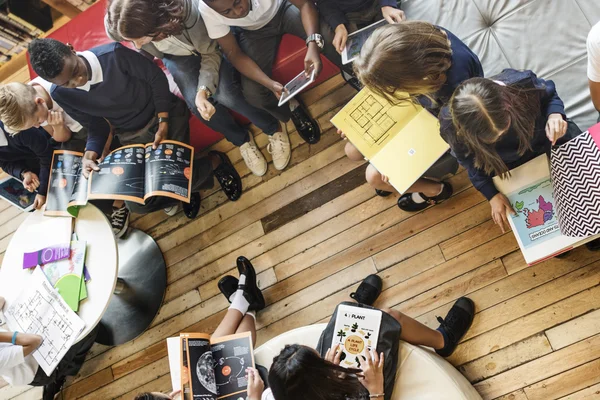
(195, 35)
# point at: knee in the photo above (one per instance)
(256, 94)
(373, 176)
(352, 152)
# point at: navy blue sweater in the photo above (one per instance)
(132, 92)
(507, 147)
(464, 65)
(334, 11)
(28, 148)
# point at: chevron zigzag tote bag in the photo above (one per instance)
(575, 171)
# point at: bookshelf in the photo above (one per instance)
(20, 24)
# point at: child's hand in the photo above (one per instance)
(340, 38)
(39, 201)
(255, 384)
(89, 164)
(334, 355)
(30, 181)
(556, 127)
(277, 89)
(56, 118)
(372, 367)
(342, 134)
(385, 178)
(392, 15)
(205, 107)
(500, 204)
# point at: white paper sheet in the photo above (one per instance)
(50, 231)
(40, 310)
(174, 351)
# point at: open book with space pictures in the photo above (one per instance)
(356, 331)
(215, 369)
(536, 226)
(133, 173)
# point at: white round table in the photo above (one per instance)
(36, 233)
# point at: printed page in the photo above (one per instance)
(169, 170)
(80, 194)
(12, 190)
(174, 352)
(200, 366)
(232, 355)
(66, 275)
(40, 310)
(357, 331)
(64, 173)
(530, 191)
(186, 389)
(121, 176)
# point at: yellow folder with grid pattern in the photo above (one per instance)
(401, 140)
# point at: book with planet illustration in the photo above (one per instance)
(356, 331)
(536, 227)
(215, 369)
(133, 173)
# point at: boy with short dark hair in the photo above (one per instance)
(111, 88)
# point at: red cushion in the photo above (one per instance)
(87, 30)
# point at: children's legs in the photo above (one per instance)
(415, 332)
(426, 186)
(352, 152)
(374, 179)
(248, 324)
(230, 323)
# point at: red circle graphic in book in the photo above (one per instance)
(63, 183)
(226, 370)
(187, 172)
(117, 171)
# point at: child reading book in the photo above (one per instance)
(246, 299)
(427, 62)
(27, 156)
(300, 372)
(497, 124)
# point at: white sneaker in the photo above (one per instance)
(254, 159)
(280, 149)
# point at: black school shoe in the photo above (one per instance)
(119, 220)
(192, 208)
(52, 389)
(594, 245)
(251, 291)
(307, 128)
(227, 176)
(406, 202)
(382, 193)
(369, 290)
(228, 285)
(456, 324)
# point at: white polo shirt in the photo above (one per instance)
(16, 369)
(73, 125)
(262, 13)
(593, 50)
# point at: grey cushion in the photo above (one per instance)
(545, 36)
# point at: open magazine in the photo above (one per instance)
(357, 331)
(132, 173)
(536, 226)
(215, 369)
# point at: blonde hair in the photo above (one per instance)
(411, 57)
(17, 105)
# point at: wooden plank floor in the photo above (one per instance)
(315, 230)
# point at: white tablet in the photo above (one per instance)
(12, 190)
(295, 86)
(357, 39)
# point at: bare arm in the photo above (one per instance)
(310, 22)
(595, 93)
(28, 341)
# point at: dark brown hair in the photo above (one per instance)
(299, 373)
(483, 110)
(134, 19)
(410, 57)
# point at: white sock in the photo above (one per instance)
(238, 301)
(416, 197)
(252, 314)
(293, 104)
